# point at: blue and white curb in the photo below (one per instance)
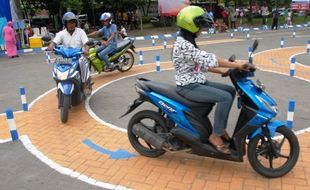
(308, 47)
(141, 58)
(22, 93)
(12, 124)
(158, 63)
(290, 113)
(292, 67)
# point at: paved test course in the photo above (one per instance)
(62, 144)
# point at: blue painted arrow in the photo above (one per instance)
(118, 154)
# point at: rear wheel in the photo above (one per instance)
(278, 162)
(125, 61)
(64, 108)
(152, 121)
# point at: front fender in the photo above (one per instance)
(66, 87)
(272, 127)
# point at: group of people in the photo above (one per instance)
(128, 19)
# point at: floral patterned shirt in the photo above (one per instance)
(191, 63)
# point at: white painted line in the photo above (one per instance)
(66, 171)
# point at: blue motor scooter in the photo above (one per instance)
(70, 89)
(183, 125)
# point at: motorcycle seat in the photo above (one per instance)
(170, 91)
(120, 46)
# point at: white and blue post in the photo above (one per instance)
(290, 113)
(248, 35)
(294, 33)
(165, 43)
(308, 47)
(141, 58)
(48, 57)
(249, 52)
(158, 63)
(231, 34)
(282, 42)
(292, 67)
(153, 41)
(12, 124)
(22, 93)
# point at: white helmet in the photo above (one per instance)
(106, 16)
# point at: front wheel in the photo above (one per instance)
(125, 61)
(64, 109)
(275, 163)
(154, 122)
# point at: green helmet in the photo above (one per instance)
(192, 18)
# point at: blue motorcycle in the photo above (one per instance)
(66, 72)
(183, 125)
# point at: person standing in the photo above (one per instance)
(10, 40)
(275, 20)
(265, 13)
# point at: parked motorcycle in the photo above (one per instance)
(183, 125)
(70, 90)
(122, 57)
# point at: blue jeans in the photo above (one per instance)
(212, 92)
(104, 51)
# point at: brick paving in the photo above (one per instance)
(63, 144)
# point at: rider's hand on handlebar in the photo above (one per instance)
(243, 65)
(226, 73)
(104, 43)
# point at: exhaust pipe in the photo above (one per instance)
(150, 137)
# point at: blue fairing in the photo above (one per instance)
(65, 67)
(272, 127)
(68, 52)
(174, 110)
(67, 87)
(261, 99)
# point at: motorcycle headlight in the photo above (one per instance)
(62, 75)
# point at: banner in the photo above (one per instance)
(3, 23)
(171, 7)
(300, 5)
(5, 9)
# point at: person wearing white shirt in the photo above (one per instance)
(73, 37)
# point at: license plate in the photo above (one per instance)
(61, 60)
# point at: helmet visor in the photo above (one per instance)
(204, 21)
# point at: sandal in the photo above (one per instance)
(218, 144)
(226, 138)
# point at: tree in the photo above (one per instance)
(76, 5)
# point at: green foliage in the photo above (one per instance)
(76, 5)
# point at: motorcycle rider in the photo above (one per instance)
(73, 37)
(109, 35)
(191, 64)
